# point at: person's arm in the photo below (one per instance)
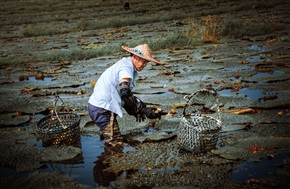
(133, 105)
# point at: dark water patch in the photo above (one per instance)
(267, 74)
(254, 94)
(88, 73)
(166, 93)
(86, 86)
(35, 142)
(255, 59)
(238, 68)
(149, 131)
(82, 169)
(82, 172)
(33, 79)
(258, 48)
(195, 78)
(23, 96)
(266, 168)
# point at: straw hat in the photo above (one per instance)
(143, 51)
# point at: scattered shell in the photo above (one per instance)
(93, 83)
(21, 78)
(171, 112)
(39, 76)
(205, 56)
(216, 82)
(177, 106)
(238, 81)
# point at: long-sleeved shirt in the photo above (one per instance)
(107, 91)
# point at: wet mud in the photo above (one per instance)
(251, 77)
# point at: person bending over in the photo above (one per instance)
(113, 91)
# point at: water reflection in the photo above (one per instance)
(103, 177)
(33, 79)
(254, 94)
(238, 68)
(255, 59)
(267, 74)
(265, 168)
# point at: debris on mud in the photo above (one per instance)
(19, 153)
(40, 58)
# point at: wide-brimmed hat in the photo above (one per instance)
(143, 51)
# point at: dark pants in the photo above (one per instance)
(100, 116)
(107, 122)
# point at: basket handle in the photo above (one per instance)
(54, 111)
(209, 91)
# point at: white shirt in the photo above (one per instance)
(107, 91)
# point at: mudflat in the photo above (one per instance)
(238, 48)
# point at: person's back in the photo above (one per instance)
(106, 91)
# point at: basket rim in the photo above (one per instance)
(202, 115)
(59, 113)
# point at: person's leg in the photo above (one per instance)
(116, 130)
(112, 132)
(107, 122)
(107, 132)
(101, 117)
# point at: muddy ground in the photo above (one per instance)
(251, 76)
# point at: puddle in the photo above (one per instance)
(81, 169)
(255, 59)
(257, 170)
(266, 74)
(238, 68)
(149, 131)
(252, 94)
(195, 78)
(257, 48)
(88, 73)
(32, 79)
(34, 142)
(86, 86)
(166, 93)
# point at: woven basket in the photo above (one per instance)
(198, 133)
(59, 129)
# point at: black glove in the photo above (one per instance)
(133, 105)
(149, 112)
(140, 117)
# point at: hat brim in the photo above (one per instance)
(150, 59)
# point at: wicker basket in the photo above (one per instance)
(198, 133)
(59, 128)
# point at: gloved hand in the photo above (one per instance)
(149, 112)
(140, 117)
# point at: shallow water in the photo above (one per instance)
(81, 169)
(259, 48)
(255, 59)
(266, 74)
(263, 169)
(252, 94)
(238, 68)
(32, 79)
